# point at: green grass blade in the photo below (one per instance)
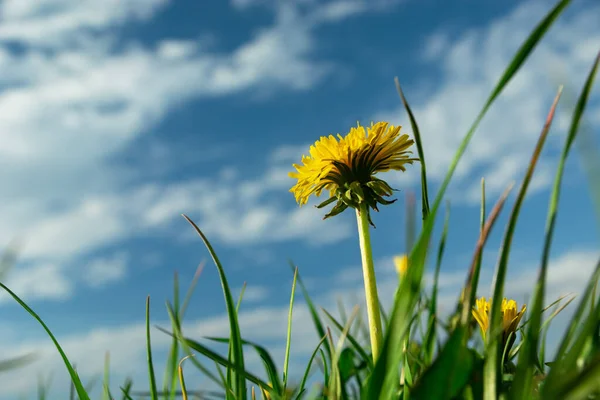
(74, 376)
(419, 144)
(586, 384)
(431, 334)
(126, 389)
(190, 291)
(200, 348)
(450, 372)
(355, 344)
(308, 367)
(175, 324)
(524, 380)
(493, 365)
(289, 334)
(170, 376)
(151, 376)
(528, 356)
(270, 367)
(568, 361)
(313, 311)
(383, 382)
(235, 343)
(106, 380)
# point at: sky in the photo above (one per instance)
(118, 116)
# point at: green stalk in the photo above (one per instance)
(371, 297)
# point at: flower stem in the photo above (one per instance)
(369, 278)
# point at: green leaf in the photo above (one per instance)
(234, 328)
(74, 376)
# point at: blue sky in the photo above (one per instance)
(117, 116)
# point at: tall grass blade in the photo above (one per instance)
(151, 376)
(493, 367)
(236, 340)
(450, 372)
(419, 144)
(431, 334)
(523, 378)
(74, 376)
(288, 344)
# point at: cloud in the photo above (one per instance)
(75, 98)
(105, 270)
(38, 281)
(469, 68)
(56, 22)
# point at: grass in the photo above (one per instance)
(435, 363)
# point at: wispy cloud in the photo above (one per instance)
(469, 67)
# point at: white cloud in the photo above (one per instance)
(56, 22)
(40, 281)
(106, 270)
(470, 67)
(71, 102)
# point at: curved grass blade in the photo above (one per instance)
(235, 343)
(177, 327)
(270, 366)
(313, 311)
(419, 143)
(359, 349)
(221, 360)
(336, 384)
(74, 376)
(307, 371)
(492, 364)
(431, 334)
(126, 389)
(289, 335)
(529, 353)
(383, 383)
(450, 372)
(151, 376)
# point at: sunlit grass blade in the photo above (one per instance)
(170, 376)
(406, 300)
(288, 343)
(151, 375)
(450, 372)
(570, 355)
(585, 384)
(493, 367)
(106, 379)
(176, 325)
(313, 311)
(355, 344)
(431, 334)
(235, 342)
(419, 144)
(523, 378)
(270, 367)
(336, 383)
(73, 374)
(308, 368)
(204, 350)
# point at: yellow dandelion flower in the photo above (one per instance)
(510, 318)
(401, 264)
(345, 166)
